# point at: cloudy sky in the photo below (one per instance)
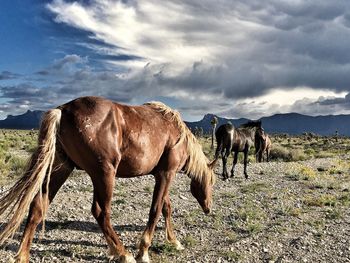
(234, 58)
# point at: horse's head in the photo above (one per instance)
(201, 188)
(260, 133)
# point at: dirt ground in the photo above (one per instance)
(285, 212)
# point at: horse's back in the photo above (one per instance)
(241, 140)
(224, 136)
(133, 138)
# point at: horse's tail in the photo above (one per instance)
(219, 145)
(259, 148)
(32, 182)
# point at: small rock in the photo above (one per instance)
(183, 197)
(254, 244)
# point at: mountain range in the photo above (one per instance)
(28, 120)
(291, 123)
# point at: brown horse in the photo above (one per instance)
(230, 139)
(262, 144)
(108, 140)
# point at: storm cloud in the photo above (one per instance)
(208, 56)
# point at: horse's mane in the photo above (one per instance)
(251, 124)
(197, 163)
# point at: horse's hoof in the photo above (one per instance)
(143, 259)
(18, 260)
(127, 258)
(178, 245)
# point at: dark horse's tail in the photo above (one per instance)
(259, 144)
(219, 143)
(18, 198)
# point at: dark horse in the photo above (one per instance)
(229, 140)
(262, 144)
(108, 140)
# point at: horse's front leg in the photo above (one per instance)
(103, 182)
(161, 188)
(170, 234)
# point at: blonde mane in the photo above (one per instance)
(197, 163)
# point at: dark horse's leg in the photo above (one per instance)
(161, 188)
(246, 150)
(103, 182)
(225, 154)
(261, 156)
(235, 158)
(61, 171)
(170, 235)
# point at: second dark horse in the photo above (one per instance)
(230, 139)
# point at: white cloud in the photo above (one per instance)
(160, 32)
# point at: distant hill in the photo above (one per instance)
(294, 123)
(205, 122)
(291, 123)
(28, 120)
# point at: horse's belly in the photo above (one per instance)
(136, 166)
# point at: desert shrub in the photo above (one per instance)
(279, 153)
(288, 155)
(297, 155)
(17, 164)
(301, 173)
(324, 154)
(320, 201)
(307, 173)
(309, 151)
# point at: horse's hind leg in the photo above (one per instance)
(235, 158)
(170, 235)
(225, 154)
(245, 162)
(101, 209)
(224, 165)
(61, 171)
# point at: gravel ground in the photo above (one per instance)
(272, 217)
